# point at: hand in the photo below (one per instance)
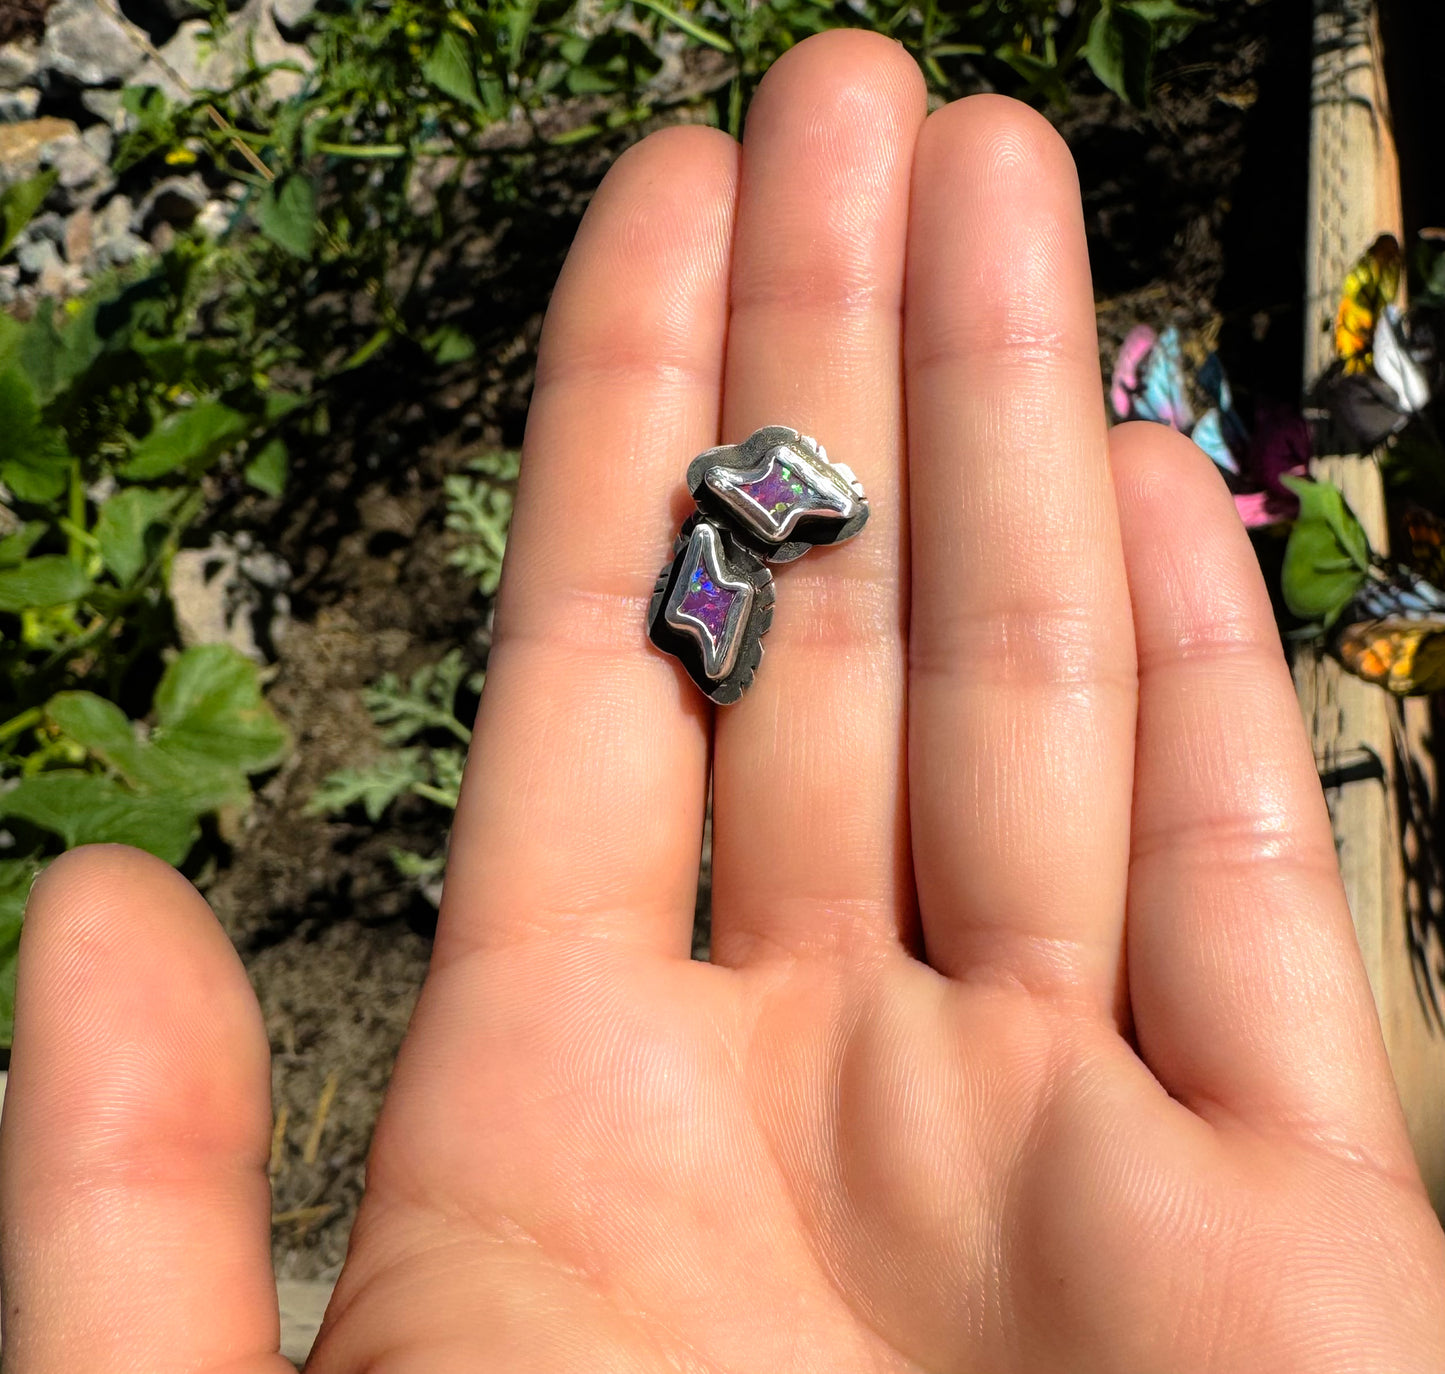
(935, 1105)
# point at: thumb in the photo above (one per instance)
(134, 1207)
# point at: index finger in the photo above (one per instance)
(582, 808)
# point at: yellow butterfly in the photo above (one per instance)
(1371, 284)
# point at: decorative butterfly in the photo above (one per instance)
(1370, 403)
(1393, 629)
(1150, 383)
(1425, 534)
(1370, 285)
(1394, 634)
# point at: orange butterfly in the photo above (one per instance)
(1394, 631)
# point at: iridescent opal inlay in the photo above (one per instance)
(778, 489)
(783, 488)
(708, 604)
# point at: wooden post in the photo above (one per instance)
(1354, 196)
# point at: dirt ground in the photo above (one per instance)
(1195, 212)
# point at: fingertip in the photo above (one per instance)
(656, 239)
(1158, 470)
(133, 1191)
(998, 140)
(857, 63)
(131, 1003)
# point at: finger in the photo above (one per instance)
(809, 818)
(136, 1211)
(582, 808)
(1249, 997)
(1021, 694)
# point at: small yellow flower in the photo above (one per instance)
(180, 157)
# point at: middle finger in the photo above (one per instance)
(810, 847)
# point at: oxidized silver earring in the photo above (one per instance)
(767, 500)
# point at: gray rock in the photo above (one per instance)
(48, 225)
(106, 105)
(112, 242)
(215, 218)
(290, 13)
(205, 65)
(19, 65)
(218, 598)
(60, 279)
(99, 139)
(9, 281)
(84, 176)
(16, 106)
(173, 200)
(86, 44)
(35, 253)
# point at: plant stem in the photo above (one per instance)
(688, 26)
(458, 729)
(23, 721)
(75, 542)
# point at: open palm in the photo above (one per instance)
(1034, 1039)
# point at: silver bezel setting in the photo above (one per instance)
(715, 476)
(727, 672)
(703, 552)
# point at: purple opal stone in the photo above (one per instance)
(775, 492)
(709, 603)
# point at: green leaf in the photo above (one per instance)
(449, 345)
(267, 470)
(1327, 556)
(122, 526)
(286, 214)
(18, 204)
(1169, 22)
(54, 357)
(108, 734)
(34, 462)
(213, 728)
(209, 710)
(519, 25)
(90, 808)
(449, 69)
(279, 404)
(14, 547)
(479, 511)
(418, 867)
(1120, 51)
(1042, 76)
(1162, 11)
(425, 703)
(191, 439)
(375, 785)
(17, 877)
(101, 727)
(51, 580)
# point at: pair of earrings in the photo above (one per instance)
(767, 500)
